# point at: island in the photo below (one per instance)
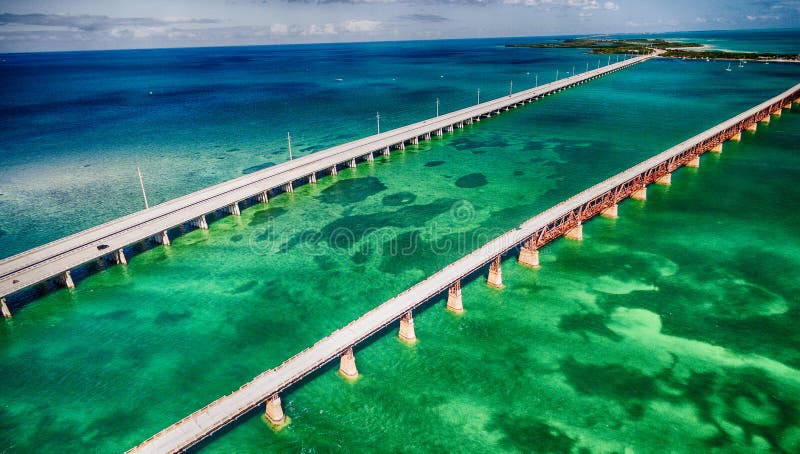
(641, 46)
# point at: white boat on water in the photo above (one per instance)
(729, 67)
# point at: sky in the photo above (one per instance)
(54, 25)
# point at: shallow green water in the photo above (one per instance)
(670, 329)
(667, 329)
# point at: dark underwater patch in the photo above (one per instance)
(346, 231)
(237, 238)
(629, 387)
(587, 323)
(473, 180)
(434, 163)
(245, 287)
(351, 191)
(257, 167)
(524, 433)
(169, 317)
(265, 216)
(401, 198)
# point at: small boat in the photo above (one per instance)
(728, 68)
(741, 63)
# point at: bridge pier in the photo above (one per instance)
(736, 137)
(454, 302)
(716, 148)
(401, 145)
(694, 162)
(352, 163)
(664, 180)
(777, 112)
(347, 365)
(312, 178)
(611, 212)
(427, 136)
(752, 127)
(495, 278)
(263, 198)
(788, 105)
(163, 238)
(370, 157)
(334, 171)
(67, 280)
(120, 257)
(234, 209)
(640, 194)
(575, 233)
(415, 140)
(201, 222)
(289, 187)
(274, 411)
(439, 132)
(4, 308)
(528, 255)
(406, 333)
(765, 119)
(387, 151)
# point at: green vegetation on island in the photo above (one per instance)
(641, 46)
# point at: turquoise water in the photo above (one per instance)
(669, 329)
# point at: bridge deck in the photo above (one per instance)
(216, 415)
(52, 259)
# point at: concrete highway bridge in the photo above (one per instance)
(54, 261)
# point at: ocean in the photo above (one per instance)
(667, 330)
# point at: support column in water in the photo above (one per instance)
(495, 278)
(347, 365)
(274, 411)
(611, 212)
(67, 278)
(406, 333)
(640, 194)
(120, 257)
(575, 233)
(454, 302)
(529, 255)
(664, 180)
(4, 308)
(234, 209)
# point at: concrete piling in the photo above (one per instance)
(347, 365)
(274, 411)
(4, 308)
(454, 301)
(495, 278)
(406, 333)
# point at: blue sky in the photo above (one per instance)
(38, 25)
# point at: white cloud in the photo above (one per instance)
(610, 6)
(361, 26)
(763, 17)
